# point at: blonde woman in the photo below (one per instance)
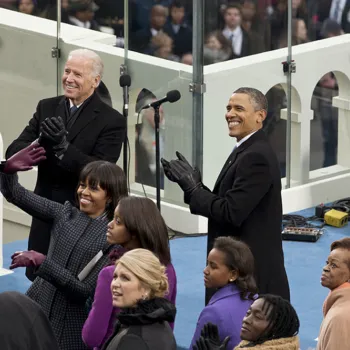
(138, 289)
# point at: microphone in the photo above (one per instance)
(125, 82)
(172, 96)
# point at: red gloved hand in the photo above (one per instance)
(27, 258)
(25, 159)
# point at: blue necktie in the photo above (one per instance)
(73, 109)
(234, 148)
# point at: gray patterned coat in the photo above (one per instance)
(75, 240)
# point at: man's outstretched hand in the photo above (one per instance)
(181, 172)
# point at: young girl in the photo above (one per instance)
(137, 223)
(230, 270)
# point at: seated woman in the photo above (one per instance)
(137, 223)
(78, 249)
(138, 289)
(230, 269)
(271, 323)
(334, 332)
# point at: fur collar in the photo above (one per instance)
(148, 312)
(291, 343)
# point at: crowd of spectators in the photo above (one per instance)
(163, 28)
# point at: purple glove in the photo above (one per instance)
(116, 254)
(25, 159)
(27, 258)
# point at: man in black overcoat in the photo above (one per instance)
(246, 200)
(75, 129)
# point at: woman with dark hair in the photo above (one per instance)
(137, 223)
(334, 332)
(270, 323)
(230, 269)
(78, 249)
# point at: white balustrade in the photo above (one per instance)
(28, 74)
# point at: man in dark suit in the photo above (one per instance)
(337, 10)
(246, 201)
(75, 129)
(178, 29)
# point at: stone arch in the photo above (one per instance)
(296, 100)
(343, 84)
(324, 126)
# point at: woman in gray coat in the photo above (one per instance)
(78, 250)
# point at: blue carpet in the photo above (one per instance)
(304, 262)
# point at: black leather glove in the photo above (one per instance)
(54, 131)
(181, 172)
(174, 177)
(209, 339)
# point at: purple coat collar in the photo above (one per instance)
(224, 292)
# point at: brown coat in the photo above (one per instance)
(334, 332)
(291, 343)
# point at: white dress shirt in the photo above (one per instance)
(236, 37)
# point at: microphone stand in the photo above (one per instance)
(125, 145)
(156, 128)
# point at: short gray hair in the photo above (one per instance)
(256, 97)
(97, 64)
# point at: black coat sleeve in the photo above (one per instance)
(108, 146)
(252, 182)
(34, 205)
(67, 282)
(27, 136)
(132, 342)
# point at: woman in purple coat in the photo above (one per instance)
(137, 223)
(230, 269)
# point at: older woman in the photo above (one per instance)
(271, 323)
(78, 249)
(230, 269)
(137, 223)
(334, 332)
(138, 289)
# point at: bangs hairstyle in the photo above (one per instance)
(282, 317)
(110, 177)
(142, 219)
(238, 257)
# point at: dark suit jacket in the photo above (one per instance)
(246, 203)
(98, 133)
(140, 41)
(247, 48)
(324, 8)
(182, 40)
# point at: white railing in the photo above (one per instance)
(28, 74)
